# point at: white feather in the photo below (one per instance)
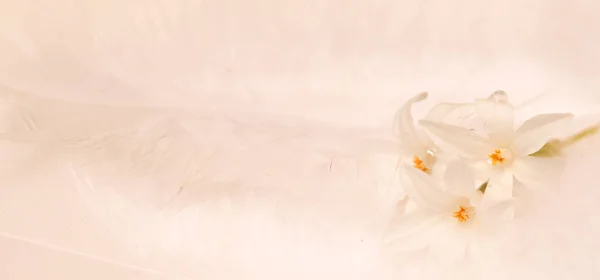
(228, 139)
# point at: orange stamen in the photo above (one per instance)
(462, 215)
(418, 164)
(496, 157)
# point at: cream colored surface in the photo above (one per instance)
(289, 106)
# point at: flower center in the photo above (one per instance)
(418, 164)
(499, 156)
(464, 214)
(423, 163)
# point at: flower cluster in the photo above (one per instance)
(460, 165)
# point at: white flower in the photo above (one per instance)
(416, 148)
(450, 217)
(505, 154)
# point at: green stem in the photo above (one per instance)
(590, 131)
(554, 147)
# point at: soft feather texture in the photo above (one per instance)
(253, 139)
(204, 196)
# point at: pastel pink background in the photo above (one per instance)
(336, 64)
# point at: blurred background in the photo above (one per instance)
(327, 70)
(319, 59)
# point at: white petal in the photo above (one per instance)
(410, 243)
(535, 132)
(498, 117)
(441, 163)
(422, 188)
(404, 128)
(411, 206)
(536, 171)
(459, 179)
(457, 140)
(405, 228)
(451, 113)
(450, 244)
(498, 96)
(500, 185)
(483, 169)
(494, 213)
